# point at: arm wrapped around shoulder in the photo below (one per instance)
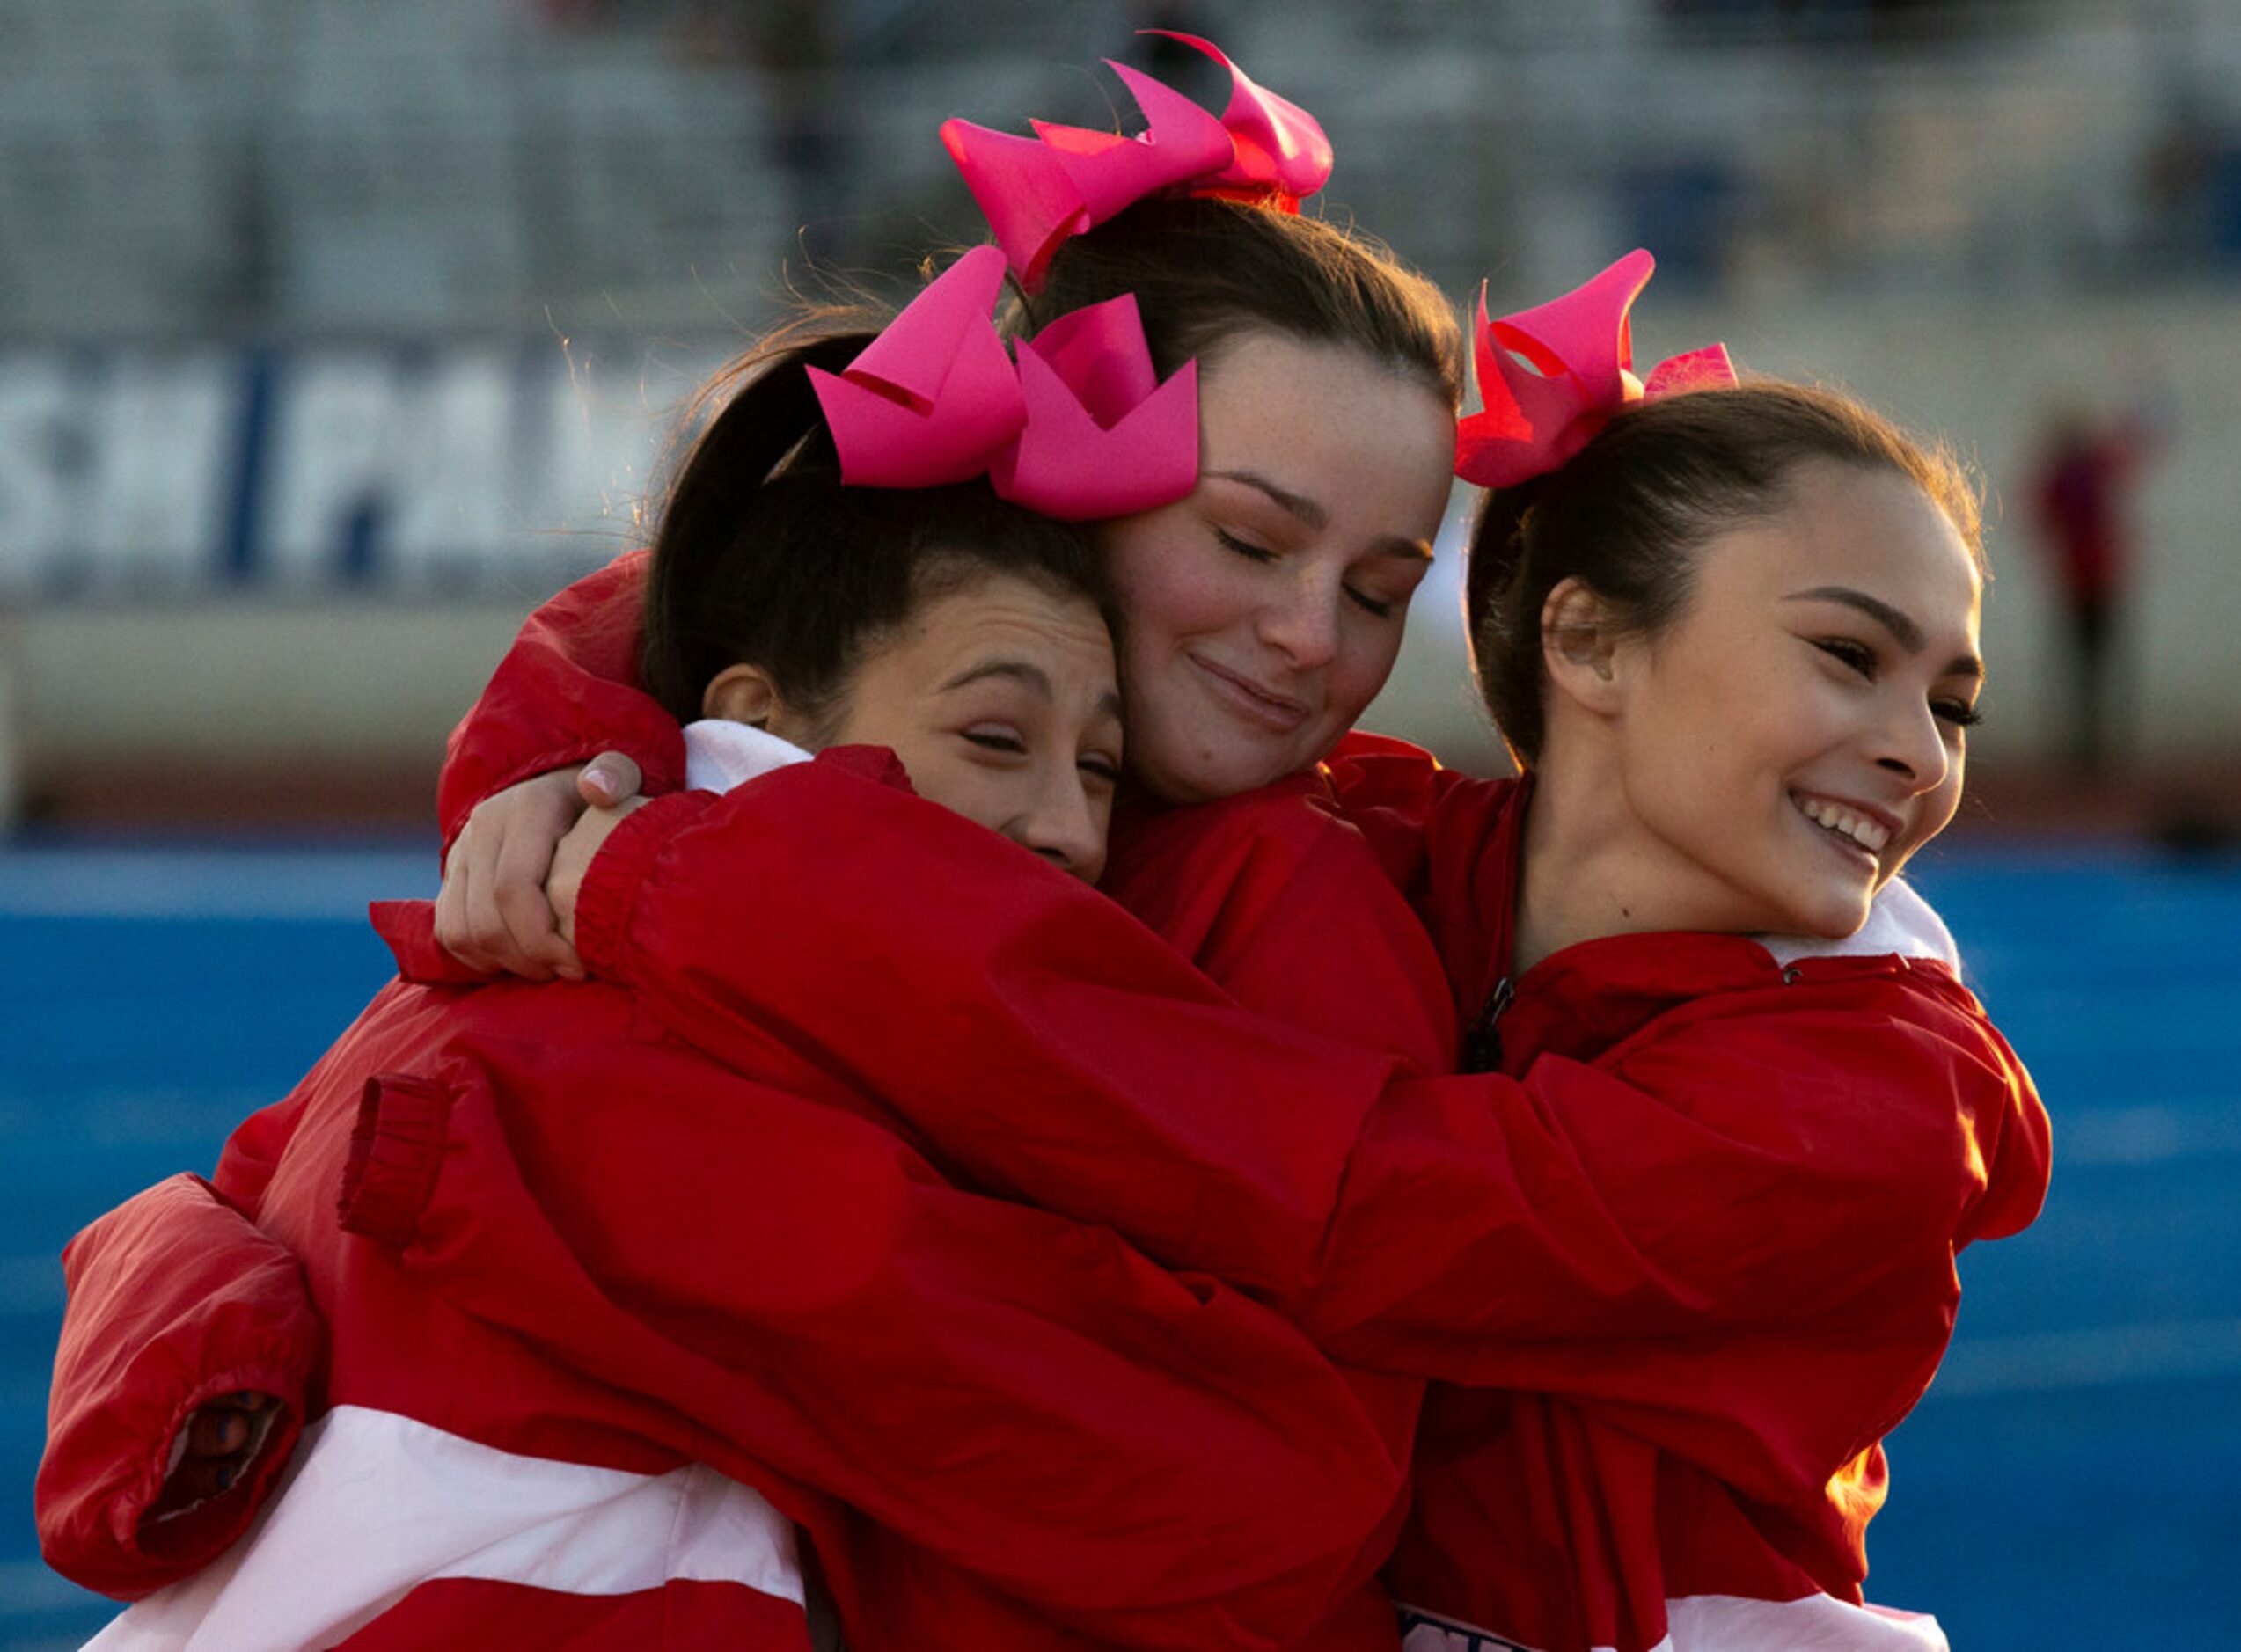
(176, 1301)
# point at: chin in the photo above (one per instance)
(1834, 920)
(1204, 780)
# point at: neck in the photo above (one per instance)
(1586, 874)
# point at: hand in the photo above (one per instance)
(215, 1448)
(574, 856)
(493, 913)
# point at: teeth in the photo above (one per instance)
(1868, 834)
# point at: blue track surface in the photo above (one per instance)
(2074, 1479)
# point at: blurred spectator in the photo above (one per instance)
(2084, 477)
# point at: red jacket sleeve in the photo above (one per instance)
(175, 1300)
(1414, 1224)
(1107, 1079)
(1149, 1459)
(1734, 1235)
(567, 690)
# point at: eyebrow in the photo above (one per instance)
(1033, 676)
(1899, 624)
(1313, 516)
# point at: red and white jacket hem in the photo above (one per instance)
(379, 1510)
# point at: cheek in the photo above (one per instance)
(967, 789)
(1182, 592)
(1362, 669)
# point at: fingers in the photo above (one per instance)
(574, 856)
(215, 1433)
(518, 907)
(609, 779)
(491, 913)
(220, 1441)
(454, 928)
(224, 1427)
(196, 1480)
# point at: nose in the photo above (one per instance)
(1302, 622)
(1914, 746)
(1066, 826)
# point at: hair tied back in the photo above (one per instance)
(1577, 371)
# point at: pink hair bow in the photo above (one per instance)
(1581, 351)
(1079, 429)
(1036, 191)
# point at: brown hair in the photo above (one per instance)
(764, 556)
(1626, 514)
(1206, 272)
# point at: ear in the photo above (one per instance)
(743, 694)
(1580, 647)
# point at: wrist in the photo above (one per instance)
(611, 883)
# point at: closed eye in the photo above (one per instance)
(1101, 768)
(1382, 607)
(1959, 714)
(1857, 655)
(1245, 548)
(997, 738)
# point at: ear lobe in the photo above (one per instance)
(1580, 639)
(743, 694)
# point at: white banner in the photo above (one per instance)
(394, 468)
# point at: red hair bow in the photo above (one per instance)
(1581, 351)
(1081, 428)
(1036, 191)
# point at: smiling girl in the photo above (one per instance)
(1757, 735)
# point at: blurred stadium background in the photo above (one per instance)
(335, 333)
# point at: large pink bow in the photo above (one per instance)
(1581, 351)
(1036, 191)
(1081, 428)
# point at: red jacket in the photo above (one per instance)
(571, 1251)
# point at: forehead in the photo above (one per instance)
(1060, 631)
(1332, 423)
(1262, 377)
(1871, 529)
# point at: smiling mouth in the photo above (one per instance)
(1848, 824)
(1271, 711)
